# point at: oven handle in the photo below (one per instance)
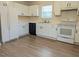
(76, 31)
(65, 37)
(56, 29)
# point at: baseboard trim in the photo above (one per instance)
(76, 43)
(15, 39)
(10, 40)
(22, 36)
(47, 37)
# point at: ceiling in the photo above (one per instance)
(32, 2)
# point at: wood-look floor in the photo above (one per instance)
(33, 46)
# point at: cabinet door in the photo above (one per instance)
(63, 4)
(78, 11)
(57, 8)
(77, 33)
(33, 10)
(4, 23)
(18, 8)
(57, 12)
(69, 5)
(53, 32)
(30, 11)
(23, 30)
(26, 28)
(47, 30)
(25, 10)
(50, 31)
(39, 29)
(44, 30)
(74, 4)
(22, 10)
(13, 20)
(23, 27)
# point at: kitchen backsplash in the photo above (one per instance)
(66, 15)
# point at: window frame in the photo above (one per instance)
(51, 12)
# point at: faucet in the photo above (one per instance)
(46, 21)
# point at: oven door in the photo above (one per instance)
(66, 32)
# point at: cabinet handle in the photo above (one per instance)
(67, 4)
(4, 4)
(41, 27)
(23, 26)
(22, 14)
(77, 12)
(76, 31)
(56, 29)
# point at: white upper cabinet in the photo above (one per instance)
(69, 5)
(77, 33)
(22, 10)
(4, 23)
(3, 3)
(33, 10)
(57, 10)
(64, 5)
(25, 10)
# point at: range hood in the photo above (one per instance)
(69, 9)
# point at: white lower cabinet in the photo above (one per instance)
(77, 33)
(23, 29)
(13, 23)
(4, 23)
(46, 30)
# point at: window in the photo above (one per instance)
(47, 11)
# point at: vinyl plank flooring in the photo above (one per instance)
(34, 46)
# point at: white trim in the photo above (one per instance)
(76, 43)
(47, 37)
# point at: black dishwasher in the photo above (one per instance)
(32, 28)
